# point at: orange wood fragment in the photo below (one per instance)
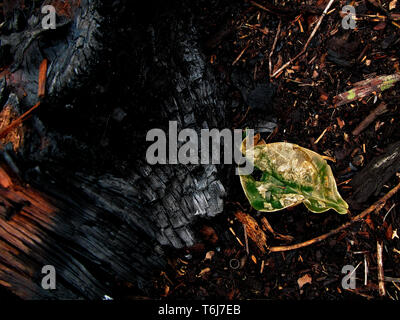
(253, 230)
(42, 78)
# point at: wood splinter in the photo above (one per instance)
(42, 78)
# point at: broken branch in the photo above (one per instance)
(381, 109)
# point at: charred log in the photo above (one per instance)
(86, 201)
(371, 179)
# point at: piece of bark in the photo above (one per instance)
(253, 230)
(370, 180)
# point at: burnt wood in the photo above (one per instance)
(370, 180)
(100, 226)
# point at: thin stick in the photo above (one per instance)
(262, 7)
(397, 287)
(360, 294)
(268, 226)
(18, 121)
(321, 136)
(273, 47)
(308, 41)
(390, 279)
(365, 270)
(246, 240)
(376, 206)
(262, 266)
(381, 275)
(381, 109)
(241, 53)
(355, 269)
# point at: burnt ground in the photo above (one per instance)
(301, 102)
(304, 108)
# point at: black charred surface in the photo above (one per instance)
(85, 148)
(369, 181)
(71, 49)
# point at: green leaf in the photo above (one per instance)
(285, 175)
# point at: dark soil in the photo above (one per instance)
(303, 105)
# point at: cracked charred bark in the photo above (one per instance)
(95, 226)
(372, 178)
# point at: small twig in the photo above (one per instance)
(18, 121)
(262, 266)
(365, 270)
(381, 109)
(391, 279)
(387, 213)
(397, 287)
(355, 269)
(321, 136)
(376, 18)
(363, 52)
(268, 226)
(246, 240)
(381, 275)
(375, 207)
(241, 53)
(308, 41)
(396, 24)
(263, 8)
(360, 294)
(273, 47)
